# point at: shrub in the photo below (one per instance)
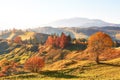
(2, 74)
(8, 68)
(18, 40)
(34, 64)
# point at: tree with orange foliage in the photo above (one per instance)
(34, 64)
(50, 40)
(99, 42)
(18, 40)
(57, 41)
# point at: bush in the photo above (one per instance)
(8, 68)
(18, 40)
(34, 64)
(2, 74)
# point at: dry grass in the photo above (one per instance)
(27, 35)
(75, 70)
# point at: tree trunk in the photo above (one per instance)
(97, 58)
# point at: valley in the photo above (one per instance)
(65, 57)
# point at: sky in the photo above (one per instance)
(33, 13)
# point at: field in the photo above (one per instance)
(83, 70)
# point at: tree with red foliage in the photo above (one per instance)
(63, 41)
(50, 40)
(57, 42)
(2, 74)
(18, 40)
(34, 64)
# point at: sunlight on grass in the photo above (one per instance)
(107, 70)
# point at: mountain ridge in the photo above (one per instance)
(80, 22)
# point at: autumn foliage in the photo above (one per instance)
(98, 43)
(57, 41)
(18, 40)
(50, 40)
(8, 68)
(34, 64)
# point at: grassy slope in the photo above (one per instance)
(11, 35)
(19, 53)
(27, 35)
(77, 35)
(86, 70)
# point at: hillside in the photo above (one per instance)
(40, 37)
(16, 52)
(78, 32)
(11, 34)
(25, 35)
(73, 61)
(62, 63)
(51, 30)
(80, 70)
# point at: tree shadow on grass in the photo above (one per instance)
(22, 76)
(27, 76)
(108, 64)
(58, 74)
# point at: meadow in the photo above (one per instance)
(87, 70)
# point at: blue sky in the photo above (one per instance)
(33, 13)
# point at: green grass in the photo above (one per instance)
(107, 70)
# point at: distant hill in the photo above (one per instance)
(77, 32)
(25, 35)
(80, 22)
(51, 30)
(11, 34)
(32, 35)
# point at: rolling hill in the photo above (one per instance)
(78, 32)
(75, 70)
(60, 64)
(25, 35)
(79, 27)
